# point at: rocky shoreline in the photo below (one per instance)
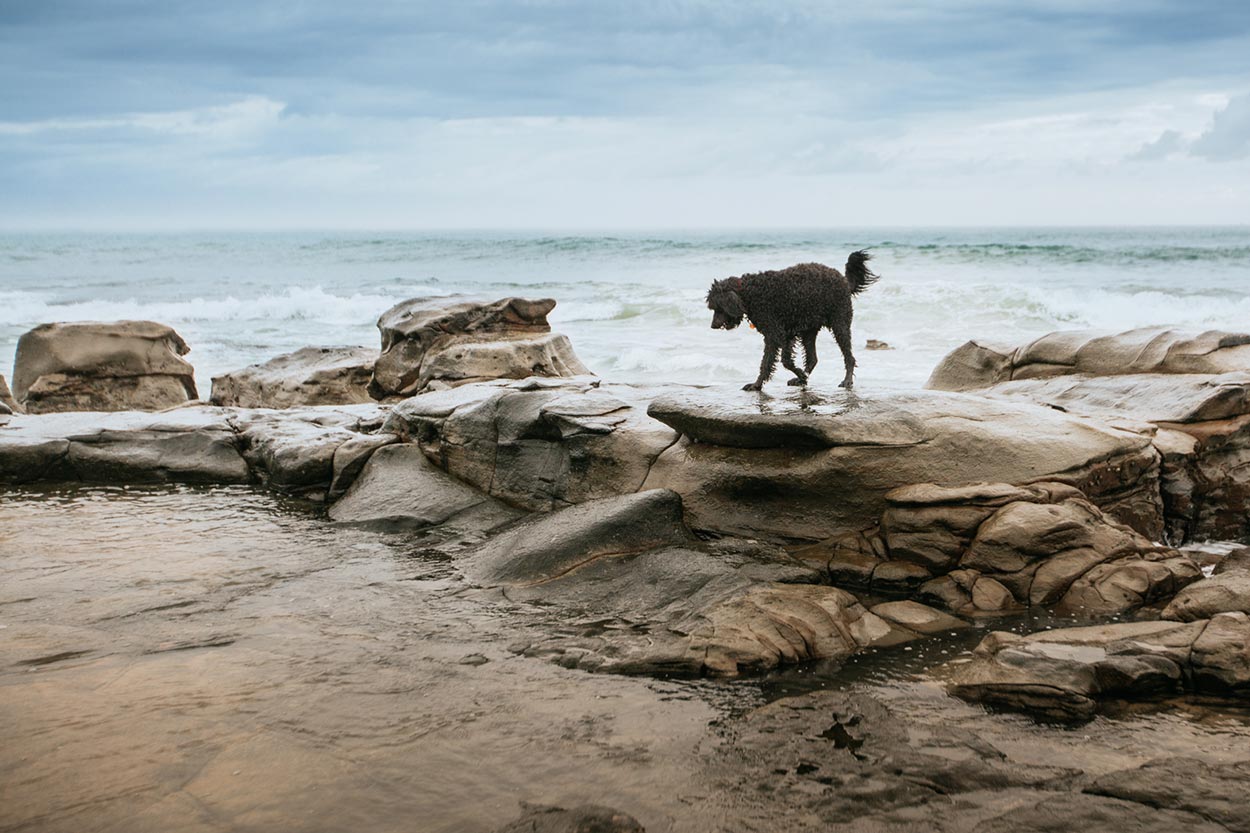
(702, 531)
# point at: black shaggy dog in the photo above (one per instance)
(790, 305)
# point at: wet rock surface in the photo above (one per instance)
(309, 376)
(434, 343)
(1065, 674)
(588, 818)
(1226, 592)
(97, 366)
(867, 448)
(991, 549)
(301, 673)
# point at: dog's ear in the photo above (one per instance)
(731, 304)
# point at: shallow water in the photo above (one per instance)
(218, 659)
(176, 658)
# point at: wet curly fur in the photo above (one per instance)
(793, 305)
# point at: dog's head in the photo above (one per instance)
(726, 304)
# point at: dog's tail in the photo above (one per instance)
(858, 275)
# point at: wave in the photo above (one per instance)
(25, 309)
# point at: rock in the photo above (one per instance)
(1216, 792)
(309, 376)
(876, 344)
(1003, 548)
(539, 444)
(1075, 811)
(847, 760)
(294, 450)
(187, 445)
(918, 618)
(431, 343)
(399, 488)
(1192, 389)
(1064, 674)
(90, 366)
(1220, 659)
(8, 405)
(549, 546)
(805, 466)
(1228, 591)
(350, 457)
(651, 601)
(1147, 350)
(587, 818)
(1238, 559)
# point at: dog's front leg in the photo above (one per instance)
(771, 349)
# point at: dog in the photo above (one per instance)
(792, 305)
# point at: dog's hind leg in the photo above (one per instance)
(809, 351)
(842, 332)
(787, 361)
(767, 364)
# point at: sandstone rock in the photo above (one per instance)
(1223, 593)
(309, 376)
(587, 818)
(399, 488)
(636, 594)
(918, 618)
(1194, 388)
(1076, 811)
(294, 450)
(538, 443)
(1064, 674)
(806, 466)
(1216, 792)
(549, 546)
(92, 366)
(430, 343)
(8, 405)
(350, 457)
(187, 445)
(1238, 559)
(1147, 350)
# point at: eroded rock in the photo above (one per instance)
(585, 818)
(1216, 792)
(1065, 674)
(1223, 593)
(309, 376)
(809, 466)
(96, 366)
(538, 443)
(433, 343)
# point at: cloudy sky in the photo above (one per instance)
(658, 113)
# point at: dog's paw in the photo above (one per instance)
(797, 383)
(752, 386)
(847, 383)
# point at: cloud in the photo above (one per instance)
(234, 120)
(1168, 143)
(1228, 137)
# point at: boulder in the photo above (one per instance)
(93, 366)
(1222, 593)
(1237, 559)
(398, 488)
(8, 405)
(538, 444)
(808, 466)
(637, 593)
(1065, 674)
(294, 450)
(434, 343)
(309, 376)
(1191, 390)
(187, 445)
(1152, 350)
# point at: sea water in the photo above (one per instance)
(632, 302)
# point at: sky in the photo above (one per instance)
(236, 114)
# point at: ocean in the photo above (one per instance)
(632, 302)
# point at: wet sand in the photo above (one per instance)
(220, 659)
